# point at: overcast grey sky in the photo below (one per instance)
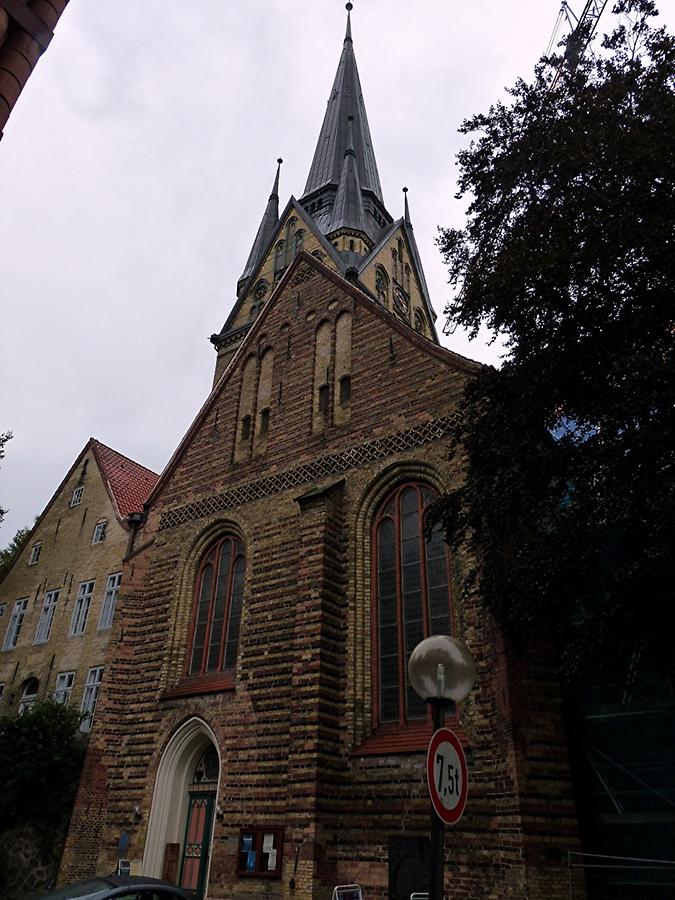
(136, 166)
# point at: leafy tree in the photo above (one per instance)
(33, 747)
(10, 552)
(4, 437)
(569, 253)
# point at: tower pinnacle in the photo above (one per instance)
(269, 222)
(406, 209)
(348, 35)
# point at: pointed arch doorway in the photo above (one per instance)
(180, 828)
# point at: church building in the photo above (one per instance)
(256, 734)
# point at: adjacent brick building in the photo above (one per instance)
(26, 30)
(57, 601)
(256, 734)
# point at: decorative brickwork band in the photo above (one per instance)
(325, 466)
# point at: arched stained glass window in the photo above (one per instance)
(217, 611)
(411, 595)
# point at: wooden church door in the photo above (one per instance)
(199, 825)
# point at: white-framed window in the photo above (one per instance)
(81, 610)
(76, 498)
(29, 695)
(15, 623)
(44, 625)
(99, 532)
(112, 589)
(35, 553)
(64, 687)
(90, 697)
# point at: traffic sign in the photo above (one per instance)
(447, 776)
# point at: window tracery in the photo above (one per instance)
(381, 285)
(401, 304)
(216, 615)
(411, 598)
(420, 322)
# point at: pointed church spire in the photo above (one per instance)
(346, 99)
(406, 209)
(348, 209)
(269, 222)
(348, 35)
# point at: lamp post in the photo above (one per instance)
(442, 671)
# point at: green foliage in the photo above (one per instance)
(10, 552)
(4, 437)
(41, 756)
(569, 252)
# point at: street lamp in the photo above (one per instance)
(442, 671)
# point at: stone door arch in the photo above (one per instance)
(180, 827)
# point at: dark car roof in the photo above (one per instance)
(111, 885)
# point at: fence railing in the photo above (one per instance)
(596, 877)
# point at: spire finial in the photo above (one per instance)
(275, 189)
(348, 36)
(406, 209)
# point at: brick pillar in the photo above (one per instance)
(319, 652)
(25, 32)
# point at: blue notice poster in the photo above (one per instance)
(247, 843)
(250, 862)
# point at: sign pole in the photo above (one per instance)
(436, 860)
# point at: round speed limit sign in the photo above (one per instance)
(447, 776)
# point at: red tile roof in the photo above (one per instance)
(128, 482)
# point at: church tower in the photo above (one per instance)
(341, 219)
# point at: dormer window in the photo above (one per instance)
(77, 496)
(279, 256)
(100, 531)
(35, 553)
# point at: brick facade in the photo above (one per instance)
(67, 558)
(294, 725)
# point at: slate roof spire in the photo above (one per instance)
(406, 209)
(348, 209)
(346, 99)
(267, 227)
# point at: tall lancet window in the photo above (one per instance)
(216, 614)
(411, 597)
